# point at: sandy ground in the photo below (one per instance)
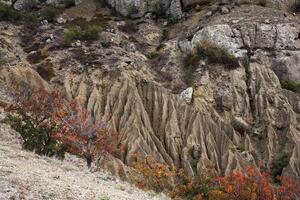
(27, 176)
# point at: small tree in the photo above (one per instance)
(84, 135)
(30, 115)
(49, 125)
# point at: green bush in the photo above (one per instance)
(152, 55)
(49, 13)
(280, 162)
(290, 85)
(7, 13)
(89, 33)
(296, 6)
(37, 139)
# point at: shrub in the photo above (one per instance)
(7, 13)
(69, 3)
(159, 9)
(190, 64)
(45, 70)
(296, 6)
(50, 126)
(49, 13)
(152, 55)
(84, 135)
(290, 85)
(129, 27)
(30, 115)
(191, 60)
(37, 56)
(279, 162)
(248, 183)
(262, 3)
(89, 33)
(217, 54)
(152, 175)
(244, 184)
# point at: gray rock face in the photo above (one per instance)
(256, 36)
(24, 4)
(138, 8)
(286, 66)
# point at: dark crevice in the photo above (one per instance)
(246, 64)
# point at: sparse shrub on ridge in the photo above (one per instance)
(217, 54)
(7, 13)
(290, 85)
(130, 26)
(88, 33)
(49, 13)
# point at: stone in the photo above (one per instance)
(61, 20)
(224, 10)
(138, 8)
(208, 14)
(187, 94)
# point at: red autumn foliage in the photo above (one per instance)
(83, 134)
(248, 184)
(65, 122)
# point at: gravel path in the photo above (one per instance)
(27, 176)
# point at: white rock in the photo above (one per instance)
(224, 10)
(61, 20)
(187, 94)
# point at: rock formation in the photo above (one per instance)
(203, 116)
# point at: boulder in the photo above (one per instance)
(138, 8)
(187, 94)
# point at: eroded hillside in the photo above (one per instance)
(210, 86)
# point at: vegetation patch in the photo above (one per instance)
(290, 85)
(152, 55)
(49, 13)
(130, 26)
(49, 125)
(7, 13)
(69, 3)
(38, 56)
(30, 116)
(296, 6)
(248, 183)
(190, 64)
(279, 162)
(217, 54)
(46, 70)
(87, 32)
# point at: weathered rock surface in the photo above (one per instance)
(138, 8)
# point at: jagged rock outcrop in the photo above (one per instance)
(138, 8)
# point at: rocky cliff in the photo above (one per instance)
(208, 92)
